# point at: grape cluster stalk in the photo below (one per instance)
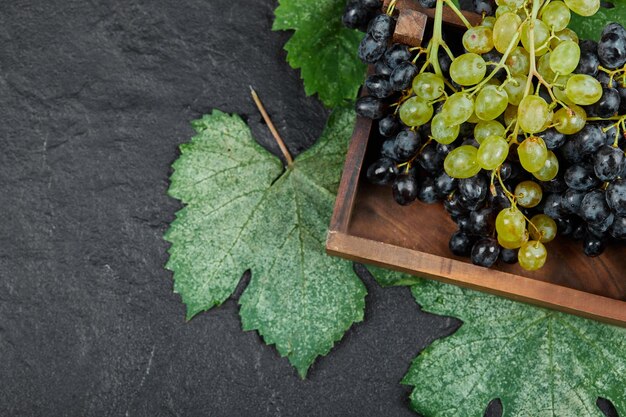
(519, 128)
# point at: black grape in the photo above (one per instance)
(405, 189)
(370, 107)
(382, 172)
(485, 252)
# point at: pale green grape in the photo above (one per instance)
(545, 228)
(415, 112)
(542, 37)
(502, 10)
(565, 57)
(556, 15)
(516, 4)
(514, 244)
(518, 61)
(473, 118)
(559, 88)
(570, 120)
(510, 115)
(532, 255)
(583, 7)
(428, 86)
(492, 152)
(532, 154)
(457, 109)
(544, 69)
(515, 89)
(549, 170)
(528, 194)
(484, 129)
(532, 114)
(443, 132)
(491, 102)
(461, 162)
(566, 34)
(488, 22)
(583, 89)
(468, 69)
(505, 30)
(478, 39)
(511, 225)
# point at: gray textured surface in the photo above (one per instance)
(95, 97)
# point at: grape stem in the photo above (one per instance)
(392, 7)
(270, 125)
(532, 73)
(437, 39)
(460, 14)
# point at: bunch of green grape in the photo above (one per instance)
(530, 87)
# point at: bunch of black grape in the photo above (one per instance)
(577, 187)
(592, 203)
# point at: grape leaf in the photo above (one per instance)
(322, 48)
(538, 362)
(591, 27)
(243, 210)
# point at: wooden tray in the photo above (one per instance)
(368, 226)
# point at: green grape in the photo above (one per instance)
(457, 109)
(515, 89)
(584, 7)
(511, 225)
(443, 132)
(415, 112)
(505, 30)
(545, 228)
(484, 129)
(583, 89)
(478, 39)
(491, 102)
(461, 162)
(428, 86)
(532, 255)
(559, 88)
(566, 34)
(510, 115)
(502, 10)
(514, 244)
(556, 15)
(473, 118)
(532, 153)
(468, 69)
(492, 152)
(565, 57)
(544, 69)
(570, 120)
(528, 194)
(516, 4)
(549, 170)
(532, 114)
(488, 22)
(518, 61)
(548, 120)
(542, 37)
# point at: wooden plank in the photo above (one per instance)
(348, 186)
(448, 15)
(410, 27)
(543, 294)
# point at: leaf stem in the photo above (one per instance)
(270, 125)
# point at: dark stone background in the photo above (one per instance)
(95, 97)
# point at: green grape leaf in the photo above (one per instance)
(243, 210)
(591, 27)
(539, 362)
(322, 48)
